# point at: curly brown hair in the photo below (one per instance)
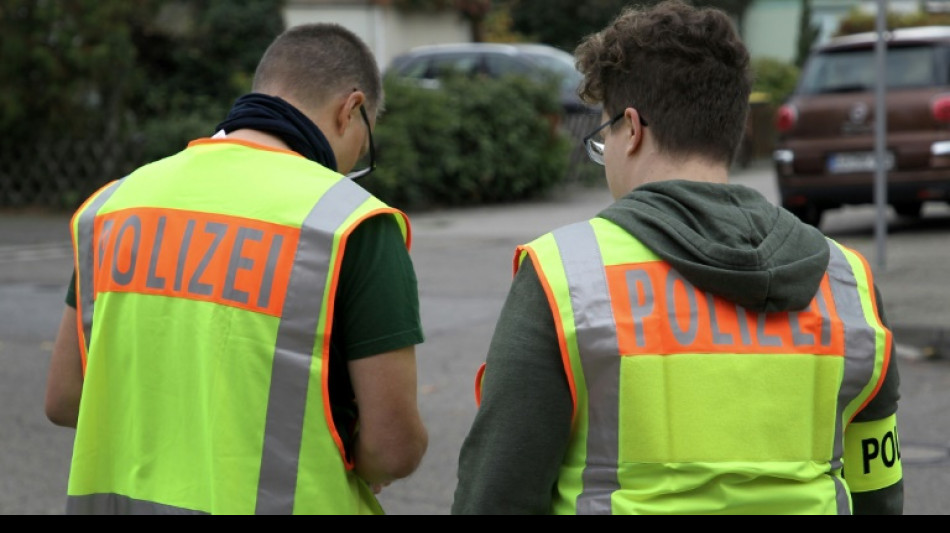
(685, 69)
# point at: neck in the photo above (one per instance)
(651, 168)
(259, 137)
(693, 169)
(274, 116)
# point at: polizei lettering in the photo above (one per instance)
(659, 312)
(200, 256)
(885, 451)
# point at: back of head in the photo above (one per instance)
(685, 69)
(311, 64)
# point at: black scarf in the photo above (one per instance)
(274, 115)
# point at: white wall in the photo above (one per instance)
(386, 30)
(770, 29)
(771, 26)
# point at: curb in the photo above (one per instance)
(918, 343)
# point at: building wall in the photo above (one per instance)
(770, 28)
(388, 31)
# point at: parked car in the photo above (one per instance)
(825, 154)
(427, 64)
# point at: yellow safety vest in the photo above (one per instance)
(685, 403)
(205, 286)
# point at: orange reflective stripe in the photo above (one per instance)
(888, 335)
(559, 325)
(227, 260)
(659, 312)
(479, 376)
(249, 144)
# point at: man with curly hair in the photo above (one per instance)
(692, 349)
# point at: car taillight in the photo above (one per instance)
(940, 107)
(785, 118)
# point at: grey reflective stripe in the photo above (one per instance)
(115, 504)
(688, 336)
(597, 342)
(84, 248)
(296, 338)
(860, 350)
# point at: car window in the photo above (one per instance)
(415, 68)
(502, 65)
(855, 70)
(565, 71)
(441, 66)
(911, 67)
(538, 67)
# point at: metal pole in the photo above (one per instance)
(880, 136)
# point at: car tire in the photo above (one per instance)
(910, 209)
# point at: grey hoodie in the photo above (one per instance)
(728, 240)
(724, 238)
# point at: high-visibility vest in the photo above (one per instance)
(687, 403)
(205, 286)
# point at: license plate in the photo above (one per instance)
(857, 162)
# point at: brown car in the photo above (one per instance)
(825, 152)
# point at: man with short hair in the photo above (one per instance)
(242, 325)
(693, 349)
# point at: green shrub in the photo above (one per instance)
(774, 78)
(169, 134)
(468, 142)
(858, 20)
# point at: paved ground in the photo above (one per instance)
(463, 262)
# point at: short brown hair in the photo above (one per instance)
(314, 62)
(685, 69)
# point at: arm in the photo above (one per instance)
(511, 457)
(376, 329)
(64, 380)
(880, 488)
(391, 439)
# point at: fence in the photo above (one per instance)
(580, 167)
(59, 173)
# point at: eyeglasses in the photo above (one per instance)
(595, 148)
(358, 174)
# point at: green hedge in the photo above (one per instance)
(468, 142)
(774, 78)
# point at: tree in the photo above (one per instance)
(196, 58)
(473, 10)
(807, 34)
(94, 88)
(68, 66)
(858, 20)
(564, 23)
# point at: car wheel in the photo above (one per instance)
(809, 214)
(908, 209)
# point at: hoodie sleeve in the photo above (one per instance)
(890, 499)
(510, 460)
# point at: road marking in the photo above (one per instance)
(22, 253)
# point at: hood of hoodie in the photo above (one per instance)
(729, 240)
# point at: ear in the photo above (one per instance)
(349, 109)
(634, 129)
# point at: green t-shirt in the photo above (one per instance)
(376, 311)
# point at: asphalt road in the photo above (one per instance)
(463, 262)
